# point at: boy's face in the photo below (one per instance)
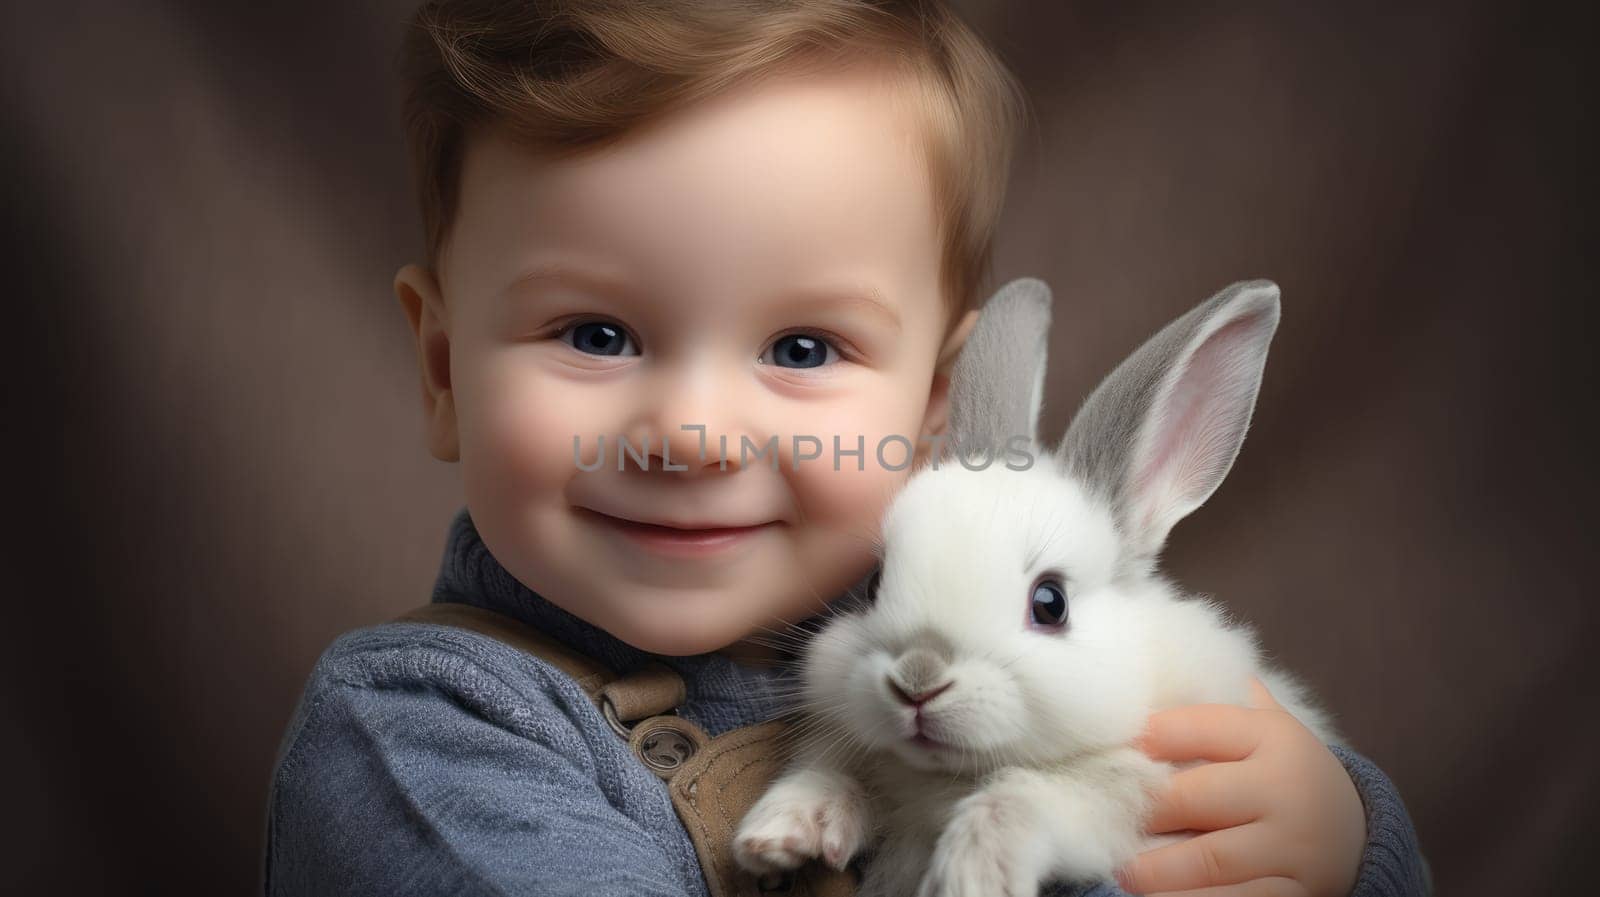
(762, 265)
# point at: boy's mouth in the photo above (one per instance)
(679, 539)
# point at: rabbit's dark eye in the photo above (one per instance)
(1049, 608)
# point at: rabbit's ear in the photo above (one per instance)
(997, 382)
(1157, 437)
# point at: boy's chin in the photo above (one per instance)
(680, 640)
(680, 631)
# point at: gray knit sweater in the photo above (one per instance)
(429, 760)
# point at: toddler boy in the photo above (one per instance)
(743, 240)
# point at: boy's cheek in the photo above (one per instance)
(876, 442)
(519, 426)
(847, 498)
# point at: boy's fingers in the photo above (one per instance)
(1206, 798)
(1226, 857)
(1200, 732)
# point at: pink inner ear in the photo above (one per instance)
(1195, 428)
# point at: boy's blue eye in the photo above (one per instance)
(600, 338)
(798, 350)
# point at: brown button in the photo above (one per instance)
(665, 749)
(665, 743)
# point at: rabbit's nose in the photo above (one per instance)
(920, 697)
(918, 667)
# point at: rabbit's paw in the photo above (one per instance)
(802, 816)
(984, 851)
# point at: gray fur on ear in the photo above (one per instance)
(1159, 434)
(997, 382)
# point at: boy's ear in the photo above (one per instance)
(937, 417)
(418, 291)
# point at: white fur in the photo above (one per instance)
(1036, 780)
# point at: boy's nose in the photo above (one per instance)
(689, 422)
(683, 450)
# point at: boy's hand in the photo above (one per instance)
(1277, 813)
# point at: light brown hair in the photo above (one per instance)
(565, 76)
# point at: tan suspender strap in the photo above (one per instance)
(591, 676)
(647, 692)
(650, 691)
(713, 792)
(712, 781)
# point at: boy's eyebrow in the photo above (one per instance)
(864, 297)
(560, 272)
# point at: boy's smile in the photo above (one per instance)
(696, 540)
(763, 268)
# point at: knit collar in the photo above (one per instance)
(722, 693)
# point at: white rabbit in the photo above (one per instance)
(972, 722)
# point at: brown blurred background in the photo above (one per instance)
(215, 428)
